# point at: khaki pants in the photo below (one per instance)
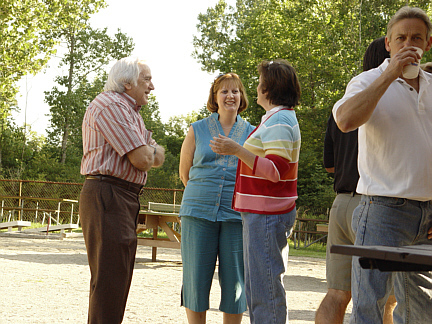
(338, 266)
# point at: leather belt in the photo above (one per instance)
(134, 187)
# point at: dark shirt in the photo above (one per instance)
(340, 152)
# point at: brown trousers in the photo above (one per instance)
(108, 216)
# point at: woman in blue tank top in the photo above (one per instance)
(211, 230)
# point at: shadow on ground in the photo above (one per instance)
(304, 283)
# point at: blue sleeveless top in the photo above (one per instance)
(210, 188)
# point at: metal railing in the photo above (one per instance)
(64, 190)
(47, 189)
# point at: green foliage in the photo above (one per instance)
(19, 147)
(169, 136)
(152, 120)
(76, 104)
(315, 186)
(89, 51)
(27, 35)
(46, 168)
(175, 132)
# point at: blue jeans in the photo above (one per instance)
(391, 222)
(265, 250)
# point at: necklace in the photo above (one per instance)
(227, 129)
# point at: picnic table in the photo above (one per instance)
(159, 215)
(301, 230)
(23, 206)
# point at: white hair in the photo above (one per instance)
(125, 70)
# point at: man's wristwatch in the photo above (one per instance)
(154, 146)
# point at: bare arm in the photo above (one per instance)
(159, 157)
(143, 157)
(226, 146)
(358, 109)
(186, 156)
(330, 170)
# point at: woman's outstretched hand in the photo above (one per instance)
(224, 145)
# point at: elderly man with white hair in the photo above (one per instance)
(117, 153)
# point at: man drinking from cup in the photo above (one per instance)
(393, 114)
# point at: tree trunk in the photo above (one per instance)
(65, 141)
(2, 129)
(69, 92)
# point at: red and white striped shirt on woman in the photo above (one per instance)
(112, 127)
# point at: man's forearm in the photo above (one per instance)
(159, 157)
(357, 110)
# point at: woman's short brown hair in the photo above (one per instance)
(227, 78)
(279, 82)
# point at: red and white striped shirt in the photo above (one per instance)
(112, 127)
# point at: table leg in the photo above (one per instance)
(154, 248)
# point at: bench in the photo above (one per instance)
(26, 204)
(161, 207)
(322, 228)
(301, 229)
(18, 224)
(11, 212)
(159, 215)
(61, 227)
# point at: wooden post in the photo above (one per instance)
(19, 202)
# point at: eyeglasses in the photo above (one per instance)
(273, 62)
(220, 75)
(233, 75)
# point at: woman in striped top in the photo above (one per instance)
(266, 190)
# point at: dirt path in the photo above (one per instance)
(47, 281)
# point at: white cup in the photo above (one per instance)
(411, 70)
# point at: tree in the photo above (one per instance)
(88, 52)
(170, 137)
(27, 35)
(19, 148)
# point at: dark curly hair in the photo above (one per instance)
(279, 83)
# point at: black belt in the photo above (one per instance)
(134, 187)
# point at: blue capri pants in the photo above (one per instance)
(202, 243)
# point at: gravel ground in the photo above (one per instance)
(46, 280)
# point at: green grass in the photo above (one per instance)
(316, 250)
(149, 233)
